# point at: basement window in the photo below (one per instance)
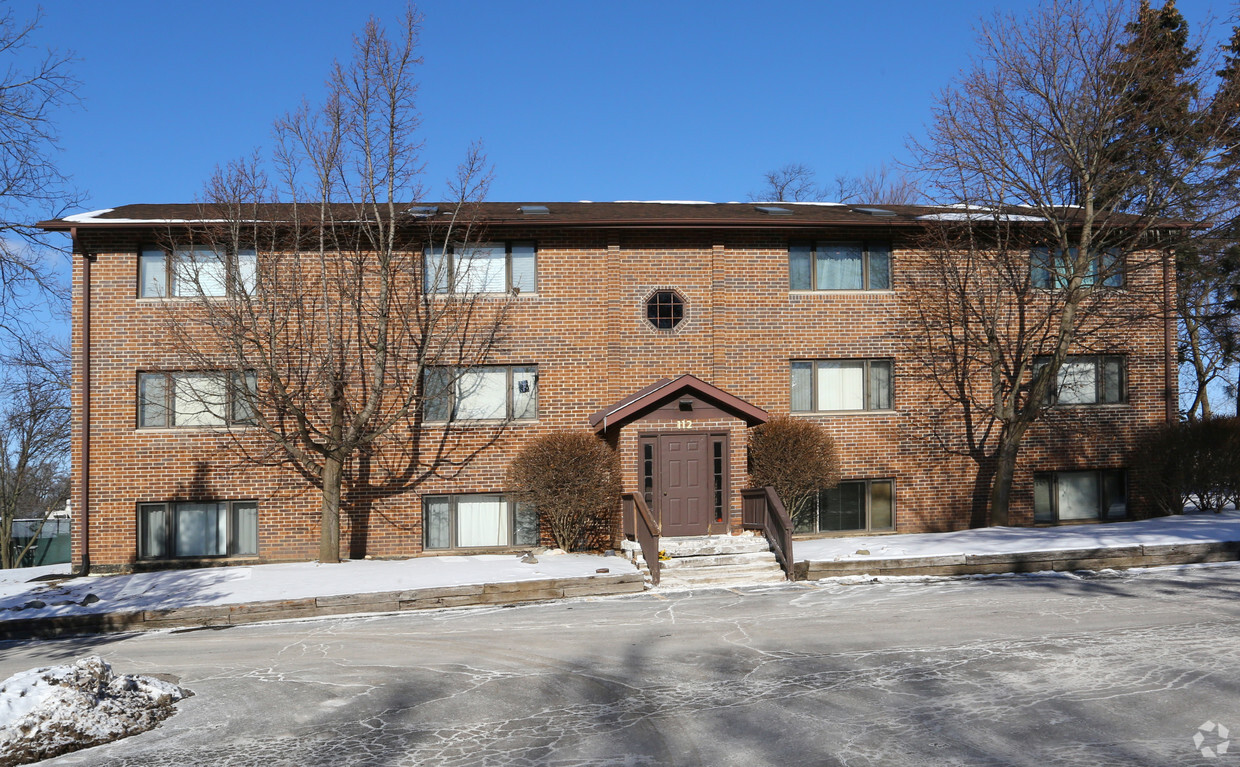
(197, 529)
(849, 506)
(477, 521)
(1080, 496)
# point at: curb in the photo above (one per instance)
(1117, 558)
(341, 604)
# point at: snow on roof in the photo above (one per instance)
(82, 217)
(95, 217)
(672, 202)
(979, 216)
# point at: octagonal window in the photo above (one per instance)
(665, 309)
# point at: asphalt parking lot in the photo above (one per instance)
(1115, 669)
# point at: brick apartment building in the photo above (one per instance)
(669, 329)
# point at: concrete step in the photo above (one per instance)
(751, 573)
(721, 560)
(707, 545)
(675, 581)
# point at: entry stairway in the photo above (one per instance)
(710, 561)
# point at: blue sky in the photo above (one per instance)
(574, 100)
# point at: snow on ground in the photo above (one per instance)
(16, 580)
(300, 580)
(57, 709)
(1186, 528)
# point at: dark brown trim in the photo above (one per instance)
(667, 389)
(1170, 369)
(84, 473)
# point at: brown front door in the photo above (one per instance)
(685, 484)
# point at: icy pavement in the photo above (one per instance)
(1121, 669)
(1185, 528)
(49, 711)
(240, 585)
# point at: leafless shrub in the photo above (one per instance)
(1195, 462)
(573, 478)
(794, 456)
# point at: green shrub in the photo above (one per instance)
(1192, 463)
(573, 479)
(794, 456)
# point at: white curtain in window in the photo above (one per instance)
(198, 399)
(153, 400)
(880, 266)
(481, 520)
(802, 387)
(800, 267)
(1078, 381)
(525, 392)
(202, 530)
(154, 519)
(438, 522)
(841, 385)
(199, 272)
(247, 270)
(880, 385)
(436, 271)
(437, 393)
(153, 272)
(839, 266)
(1078, 495)
(482, 269)
(245, 528)
(482, 393)
(524, 275)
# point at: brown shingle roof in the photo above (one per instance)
(560, 214)
(644, 215)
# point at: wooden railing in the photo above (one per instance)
(762, 510)
(640, 526)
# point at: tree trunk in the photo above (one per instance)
(983, 481)
(1005, 471)
(329, 524)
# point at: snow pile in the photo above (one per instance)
(57, 709)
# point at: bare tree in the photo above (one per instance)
(343, 329)
(1207, 302)
(794, 182)
(797, 182)
(34, 452)
(1040, 148)
(884, 185)
(33, 87)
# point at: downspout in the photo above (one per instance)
(84, 500)
(1170, 368)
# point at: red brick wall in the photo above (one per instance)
(585, 329)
